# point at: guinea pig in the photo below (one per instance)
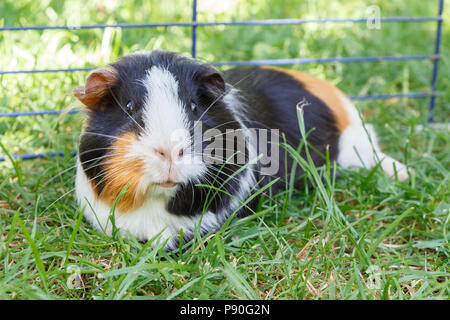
(165, 147)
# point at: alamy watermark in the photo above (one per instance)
(244, 146)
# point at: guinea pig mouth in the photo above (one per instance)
(166, 184)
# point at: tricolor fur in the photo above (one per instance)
(149, 149)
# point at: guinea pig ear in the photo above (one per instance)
(212, 80)
(97, 87)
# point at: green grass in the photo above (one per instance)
(359, 235)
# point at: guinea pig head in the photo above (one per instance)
(141, 118)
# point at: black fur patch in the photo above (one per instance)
(270, 101)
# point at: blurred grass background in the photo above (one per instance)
(255, 257)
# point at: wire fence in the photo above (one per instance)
(194, 24)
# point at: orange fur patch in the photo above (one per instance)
(120, 171)
(323, 90)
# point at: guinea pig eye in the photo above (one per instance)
(193, 107)
(130, 108)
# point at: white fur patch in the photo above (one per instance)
(166, 128)
(246, 183)
(358, 146)
(163, 110)
(234, 104)
(143, 223)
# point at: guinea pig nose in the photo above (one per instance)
(169, 154)
(161, 153)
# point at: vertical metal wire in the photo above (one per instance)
(194, 28)
(437, 47)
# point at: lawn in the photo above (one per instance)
(361, 235)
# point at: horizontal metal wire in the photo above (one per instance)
(47, 70)
(225, 23)
(324, 60)
(264, 62)
(411, 95)
(28, 156)
(36, 113)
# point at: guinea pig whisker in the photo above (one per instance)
(97, 149)
(210, 106)
(223, 169)
(210, 179)
(102, 172)
(217, 135)
(115, 172)
(51, 204)
(252, 169)
(105, 171)
(214, 177)
(106, 178)
(100, 175)
(254, 188)
(223, 184)
(209, 160)
(193, 196)
(107, 136)
(233, 164)
(219, 158)
(222, 95)
(108, 155)
(236, 165)
(221, 125)
(224, 149)
(204, 154)
(99, 163)
(74, 166)
(219, 171)
(100, 157)
(244, 121)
